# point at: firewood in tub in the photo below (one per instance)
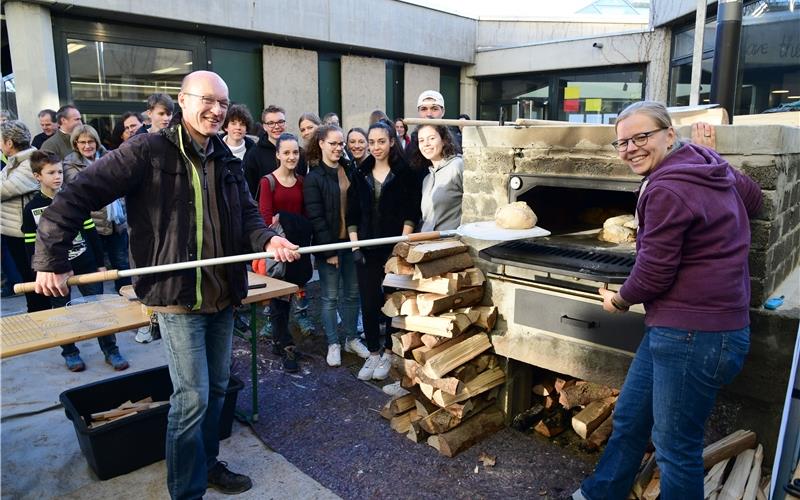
(429, 304)
(582, 393)
(394, 302)
(737, 478)
(471, 431)
(430, 268)
(590, 418)
(715, 479)
(620, 229)
(644, 475)
(398, 265)
(755, 475)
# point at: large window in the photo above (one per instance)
(769, 69)
(585, 96)
(104, 71)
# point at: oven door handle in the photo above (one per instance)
(581, 323)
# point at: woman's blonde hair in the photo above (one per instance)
(655, 110)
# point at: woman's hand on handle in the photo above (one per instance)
(52, 284)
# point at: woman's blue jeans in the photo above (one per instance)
(198, 354)
(669, 392)
(339, 290)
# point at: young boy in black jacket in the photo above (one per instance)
(84, 256)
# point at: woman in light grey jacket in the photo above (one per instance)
(17, 187)
(443, 187)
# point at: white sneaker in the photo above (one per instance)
(334, 355)
(143, 335)
(368, 370)
(382, 370)
(394, 389)
(356, 347)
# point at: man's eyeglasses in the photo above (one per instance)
(210, 101)
(279, 123)
(638, 140)
(334, 144)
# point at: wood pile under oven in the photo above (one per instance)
(441, 351)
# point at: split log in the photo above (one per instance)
(737, 479)
(465, 373)
(427, 389)
(547, 387)
(653, 489)
(434, 250)
(600, 435)
(449, 417)
(469, 432)
(487, 316)
(412, 369)
(433, 340)
(553, 423)
(425, 407)
(562, 383)
(410, 341)
(644, 476)
(712, 482)
(473, 277)
(409, 307)
(590, 418)
(402, 423)
(432, 303)
(424, 353)
(446, 325)
(401, 404)
(394, 302)
(430, 268)
(755, 475)
(485, 361)
(528, 418)
(582, 393)
(443, 285)
(402, 248)
(727, 447)
(480, 384)
(456, 355)
(398, 265)
(416, 433)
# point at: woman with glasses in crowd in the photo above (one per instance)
(691, 275)
(383, 202)
(325, 196)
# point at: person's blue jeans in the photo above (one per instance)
(198, 354)
(669, 391)
(339, 290)
(115, 246)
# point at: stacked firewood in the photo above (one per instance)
(563, 402)
(441, 347)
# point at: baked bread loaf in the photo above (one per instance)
(517, 215)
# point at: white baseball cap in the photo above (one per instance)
(430, 94)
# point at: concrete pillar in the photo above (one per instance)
(363, 90)
(291, 81)
(417, 80)
(30, 38)
(469, 95)
(657, 78)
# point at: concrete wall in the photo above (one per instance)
(30, 38)
(506, 33)
(290, 81)
(417, 79)
(384, 25)
(363, 90)
(665, 11)
(469, 95)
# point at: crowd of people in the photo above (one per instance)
(190, 183)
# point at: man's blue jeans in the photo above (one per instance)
(198, 354)
(339, 289)
(669, 392)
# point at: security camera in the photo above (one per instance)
(597, 45)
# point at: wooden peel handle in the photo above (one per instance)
(80, 279)
(429, 235)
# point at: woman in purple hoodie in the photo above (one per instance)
(691, 275)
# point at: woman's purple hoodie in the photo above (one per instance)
(691, 268)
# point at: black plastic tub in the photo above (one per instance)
(130, 443)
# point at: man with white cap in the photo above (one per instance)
(430, 104)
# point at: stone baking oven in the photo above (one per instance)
(545, 289)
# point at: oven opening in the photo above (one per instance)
(564, 210)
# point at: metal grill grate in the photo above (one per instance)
(578, 261)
